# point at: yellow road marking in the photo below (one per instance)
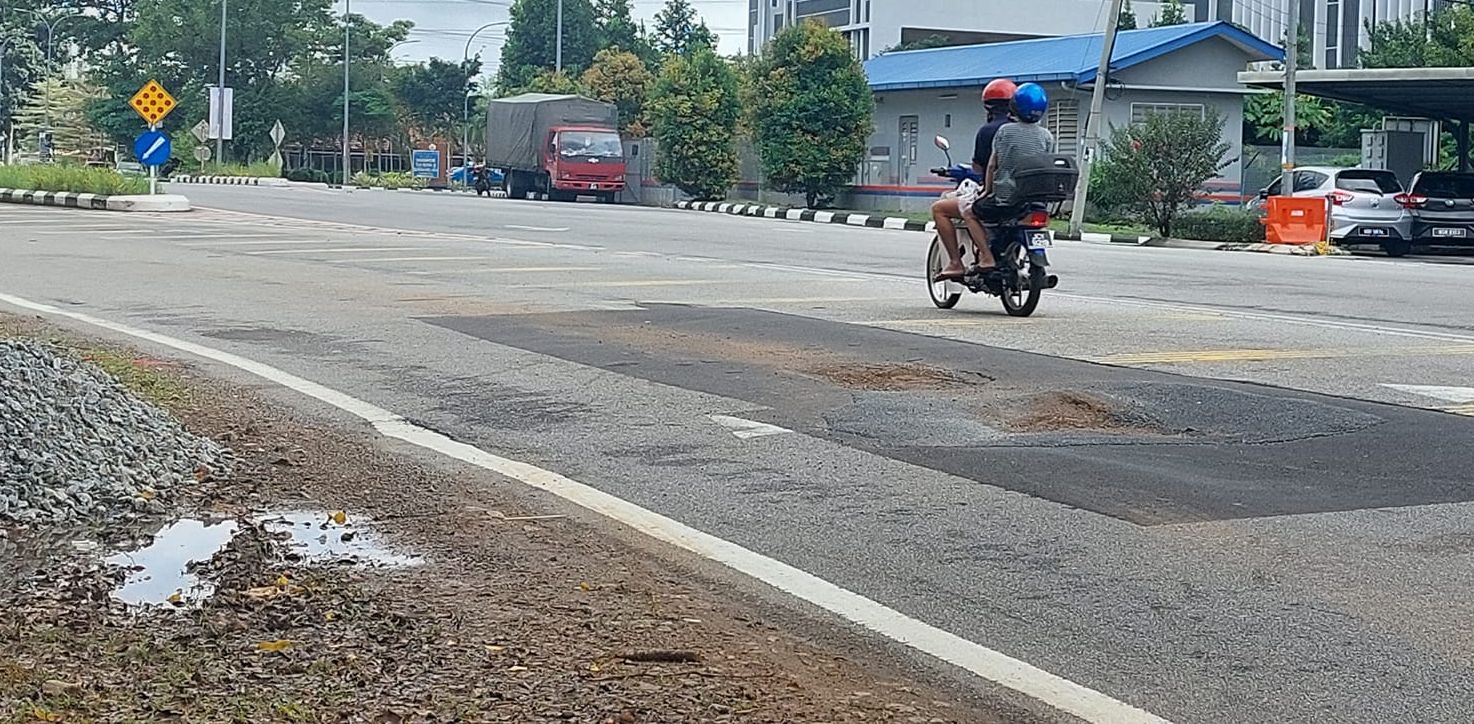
(1268, 355)
(1464, 409)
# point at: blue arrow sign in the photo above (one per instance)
(152, 148)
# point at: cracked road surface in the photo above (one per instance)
(1250, 513)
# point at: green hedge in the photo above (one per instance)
(75, 179)
(390, 180)
(1219, 223)
(260, 169)
(309, 175)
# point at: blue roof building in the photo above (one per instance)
(1189, 68)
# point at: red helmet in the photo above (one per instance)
(999, 90)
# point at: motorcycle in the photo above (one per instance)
(1020, 244)
(482, 178)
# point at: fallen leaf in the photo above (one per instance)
(338, 517)
(263, 592)
(585, 587)
(43, 714)
(282, 582)
(176, 598)
(329, 616)
(496, 649)
(147, 494)
(595, 667)
(276, 646)
(517, 668)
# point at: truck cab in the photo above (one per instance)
(584, 160)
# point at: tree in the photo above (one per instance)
(617, 29)
(926, 43)
(678, 33)
(72, 131)
(433, 94)
(619, 77)
(693, 110)
(1264, 118)
(1443, 38)
(531, 44)
(1157, 167)
(1127, 18)
(811, 112)
(549, 81)
(1173, 13)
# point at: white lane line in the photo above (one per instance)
(1058, 692)
(1438, 392)
(50, 231)
(341, 250)
(747, 429)
(507, 270)
(423, 258)
(270, 242)
(520, 227)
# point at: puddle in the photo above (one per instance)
(160, 569)
(159, 573)
(313, 536)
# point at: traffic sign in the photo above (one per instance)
(201, 131)
(152, 102)
(278, 133)
(202, 153)
(152, 148)
(425, 163)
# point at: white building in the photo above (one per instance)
(875, 25)
(1337, 28)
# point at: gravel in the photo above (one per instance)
(75, 444)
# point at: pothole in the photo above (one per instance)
(896, 377)
(1070, 410)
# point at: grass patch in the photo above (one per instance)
(390, 180)
(260, 169)
(75, 179)
(140, 376)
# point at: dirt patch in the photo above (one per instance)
(1060, 411)
(513, 613)
(896, 377)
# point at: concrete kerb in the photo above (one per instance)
(95, 202)
(903, 224)
(230, 180)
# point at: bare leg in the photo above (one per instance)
(980, 241)
(942, 212)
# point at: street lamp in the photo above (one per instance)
(50, 24)
(220, 136)
(347, 30)
(4, 46)
(466, 104)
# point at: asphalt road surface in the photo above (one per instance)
(1220, 487)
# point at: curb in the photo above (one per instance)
(230, 180)
(819, 217)
(495, 193)
(95, 202)
(1097, 237)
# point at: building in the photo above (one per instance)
(876, 25)
(922, 93)
(1337, 28)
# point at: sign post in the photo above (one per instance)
(152, 149)
(425, 163)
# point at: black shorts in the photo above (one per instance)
(989, 211)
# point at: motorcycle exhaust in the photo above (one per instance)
(1051, 281)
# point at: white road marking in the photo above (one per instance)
(520, 227)
(50, 231)
(268, 242)
(423, 258)
(508, 270)
(1058, 692)
(1448, 394)
(341, 250)
(747, 429)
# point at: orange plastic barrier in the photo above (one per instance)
(1295, 220)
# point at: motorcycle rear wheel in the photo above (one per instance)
(1021, 296)
(939, 289)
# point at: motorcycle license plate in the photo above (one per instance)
(1450, 232)
(1038, 240)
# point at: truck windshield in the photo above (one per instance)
(589, 144)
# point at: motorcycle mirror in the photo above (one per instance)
(942, 143)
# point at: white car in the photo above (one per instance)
(1364, 205)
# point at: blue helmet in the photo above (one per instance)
(1030, 102)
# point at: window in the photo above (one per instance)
(947, 121)
(1309, 180)
(1371, 182)
(1445, 185)
(1141, 111)
(1274, 188)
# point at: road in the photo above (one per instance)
(1246, 514)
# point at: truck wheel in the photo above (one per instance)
(609, 197)
(515, 189)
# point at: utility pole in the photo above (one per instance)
(347, 30)
(1093, 121)
(50, 25)
(4, 131)
(1292, 59)
(466, 106)
(558, 54)
(220, 139)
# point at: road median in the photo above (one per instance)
(314, 572)
(95, 202)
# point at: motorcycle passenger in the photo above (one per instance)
(997, 98)
(1014, 142)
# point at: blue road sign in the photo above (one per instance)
(152, 148)
(426, 164)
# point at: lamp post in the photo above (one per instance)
(4, 46)
(347, 30)
(558, 53)
(50, 24)
(466, 104)
(220, 137)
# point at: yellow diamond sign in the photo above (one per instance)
(152, 102)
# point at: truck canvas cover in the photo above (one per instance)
(516, 127)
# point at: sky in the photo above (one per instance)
(443, 26)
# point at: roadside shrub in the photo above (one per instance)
(389, 180)
(261, 169)
(75, 179)
(1219, 223)
(308, 175)
(1157, 167)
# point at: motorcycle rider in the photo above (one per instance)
(1014, 142)
(997, 98)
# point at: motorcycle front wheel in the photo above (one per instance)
(943, 293)
(1021, 293)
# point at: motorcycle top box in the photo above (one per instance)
(1046, 178)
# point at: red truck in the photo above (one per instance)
(562, 147)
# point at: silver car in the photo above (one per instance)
(1364, 205)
